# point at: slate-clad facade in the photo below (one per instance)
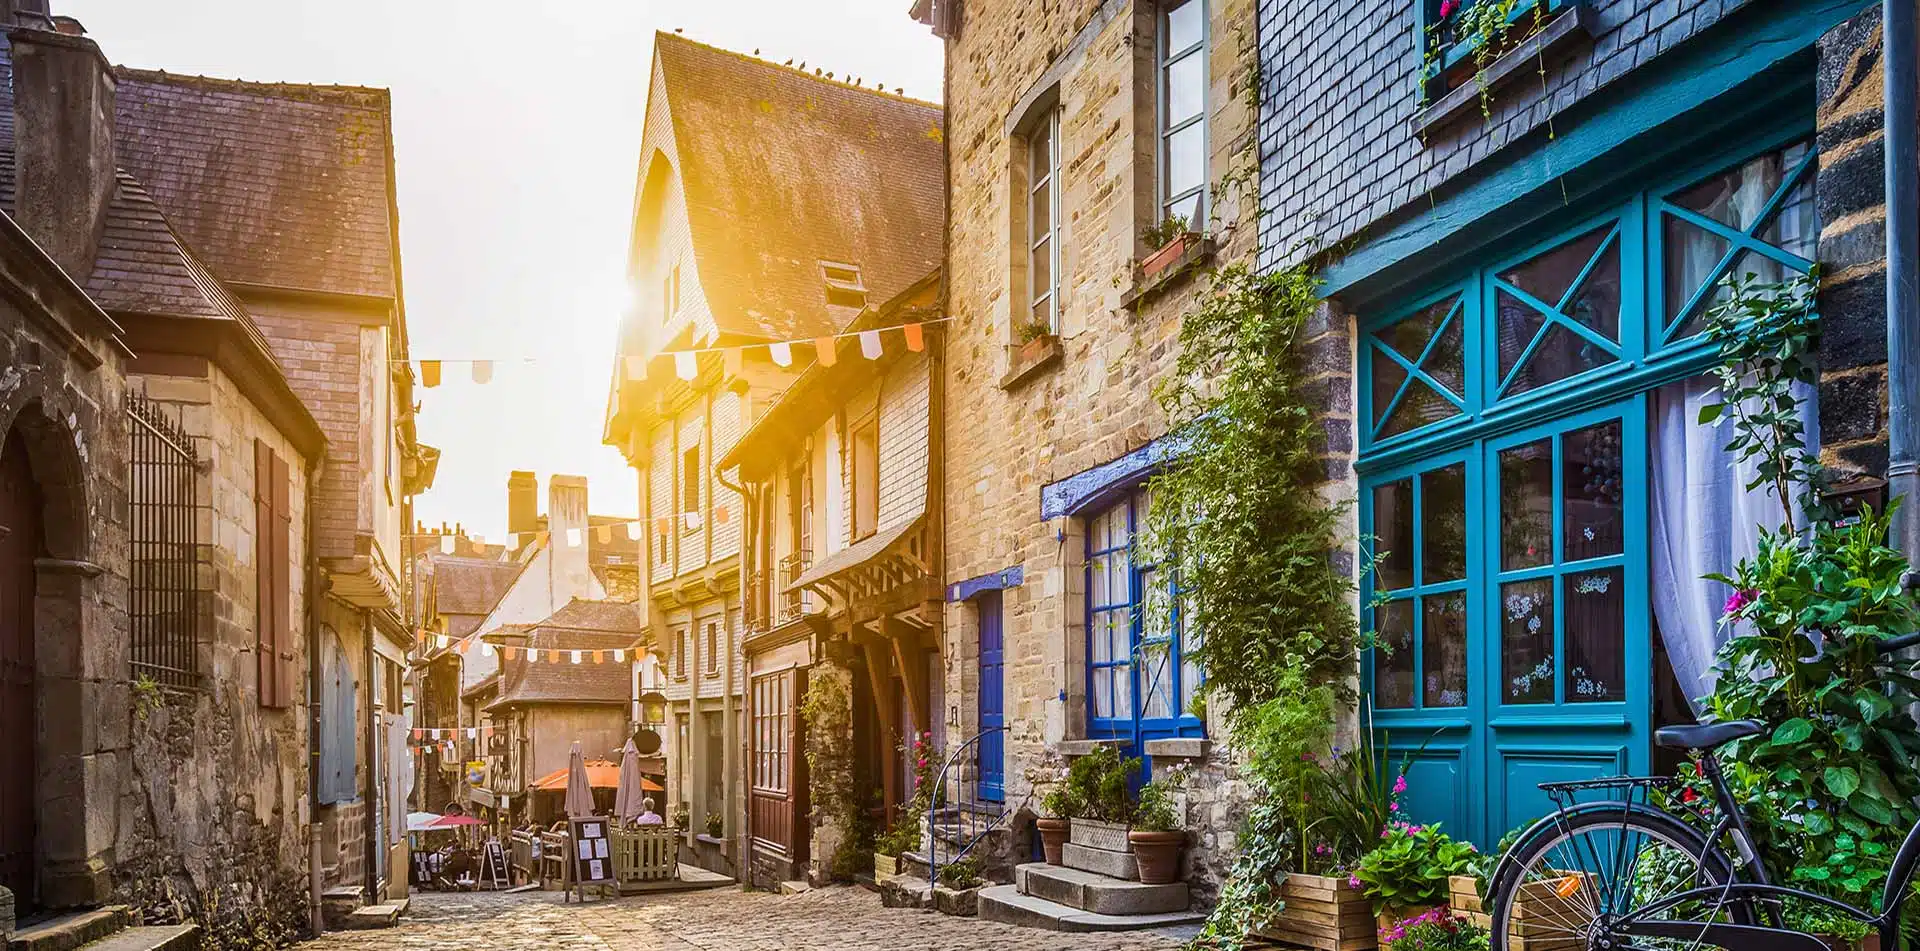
(1517, 276)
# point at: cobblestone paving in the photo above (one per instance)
(831, 919)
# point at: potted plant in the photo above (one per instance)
(715, 826)
(1436, 930)
(892, 844)
(1059, 804)
(1035, 335)
(1408, 873)
(1156, 836)
(1102, 784)
(1170, 239)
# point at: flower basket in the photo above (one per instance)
(1053, 837)
(1393, 915)
(885, 866)
(1169, 253)
(1094, 834)
(1327, 914)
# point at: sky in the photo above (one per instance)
(517, 136)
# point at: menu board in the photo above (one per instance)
(494, 864)
(592, 856)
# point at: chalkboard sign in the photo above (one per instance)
(592, 858)
(493, 869)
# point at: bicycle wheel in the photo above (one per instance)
(1574, 876)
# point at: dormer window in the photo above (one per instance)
(843, 283)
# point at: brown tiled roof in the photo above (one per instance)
(582, 626)
(276, 184)
(783, 170)
(470, 585)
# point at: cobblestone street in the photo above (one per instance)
(833, 919)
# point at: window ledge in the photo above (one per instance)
(1179, 748)
(1028, 359)
(1083, 747)
(1198, 254)
(1572, 25)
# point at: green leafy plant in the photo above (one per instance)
(827, 711)
(962, 873)
(904, 835)
(1034, 330)
(1099, 786)
(1436, 930)
(1155, 811)
(1411, 865)
(1237, 515)
(1062, 801)
(715, 825)
(1766, 333)
(1250, 897)
(1163, 233)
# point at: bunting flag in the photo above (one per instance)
(721, 516)
(604, 534)
(637, 368)
(916, 339)
(686, 364)
(442, 641)
(483, 371)
(429, 373)
(823, 351)
(446, 544)
(870, 344)
(780, 353)
(573, 538)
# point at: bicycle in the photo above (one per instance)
(1624, 874)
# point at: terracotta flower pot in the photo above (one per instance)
(1158, 854)
(1053, 837)
(1170, 252)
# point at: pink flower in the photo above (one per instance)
(923, 761)
(1394, 806)
(1740, 599)
(1400, 785)
(1447, 7)
(1413, 830)
(1353, 881)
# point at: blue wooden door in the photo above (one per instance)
(992, 693)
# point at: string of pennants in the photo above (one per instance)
(604, 534)
(533, 655)
(686, 363)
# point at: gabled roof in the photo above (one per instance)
(271, 183)
(470, 585)
(580, 626)
(783, 170)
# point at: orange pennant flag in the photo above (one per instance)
(506, 652)
(604, 533)
(599, 657)
(721, 516)
(823, 350)
(636, 369)
(731, 360)
(916, 339)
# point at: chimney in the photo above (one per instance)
(63, 143)
(569, 575)
(523, 500)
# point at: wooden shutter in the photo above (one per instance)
(265, 648)
(283, 640)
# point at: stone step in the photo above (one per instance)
(369, 917)
(67, 932)
(1005, 904)
(1100, 861)
(1100, 894)
(151, 938)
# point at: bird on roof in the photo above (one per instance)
(678, 30)
(789, 62)
(756, 51)
(829, 75)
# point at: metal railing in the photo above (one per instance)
(792, 604)
(962, 822)
(165, 590)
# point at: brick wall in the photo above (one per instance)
(1338, 93)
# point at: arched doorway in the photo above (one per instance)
(20, 545)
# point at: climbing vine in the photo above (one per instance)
(827, 712)
(1238, 513)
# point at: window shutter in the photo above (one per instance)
(264, 647)
(283, 692)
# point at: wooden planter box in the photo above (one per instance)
(885, 866)
(1323, 913)
(1094, 834)
(1463, 896)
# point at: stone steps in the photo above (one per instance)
(1099, 894)
(1004, 903)
(1101, 861)
(151, 938)
(103, 929)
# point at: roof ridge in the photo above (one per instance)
(659, 35)
(364, 97)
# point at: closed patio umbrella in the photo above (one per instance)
(626, 802)
(579, 795)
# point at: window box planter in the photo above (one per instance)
(1567, 28)
(1094, 834)
(1030, 358)
(1324, 913)
(1158, 854)
(1053, 837)
(885, 866)
(1169, 253)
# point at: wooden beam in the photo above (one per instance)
(913, 670)
(889, 718)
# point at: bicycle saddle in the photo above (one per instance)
(1706, 736)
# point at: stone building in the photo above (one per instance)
(1075, 130)
(842, 584)
(1528, 243)
(772, 205)
(174, 766)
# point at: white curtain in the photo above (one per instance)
(1704, 521)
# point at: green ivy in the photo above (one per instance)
(1411, 865)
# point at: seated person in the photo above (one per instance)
(647, 816)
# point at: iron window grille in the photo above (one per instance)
(165, 591)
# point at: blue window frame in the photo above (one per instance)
(1502, 479)
(1141, 683)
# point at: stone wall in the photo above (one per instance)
(1009, 434)
(216, 792)
(1850, 193)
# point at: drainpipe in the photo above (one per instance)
(370, 794)
(729, 762)
(311, 597)
(1902, 82)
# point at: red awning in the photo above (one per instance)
(600, 775)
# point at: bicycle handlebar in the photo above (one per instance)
(1904, 641)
